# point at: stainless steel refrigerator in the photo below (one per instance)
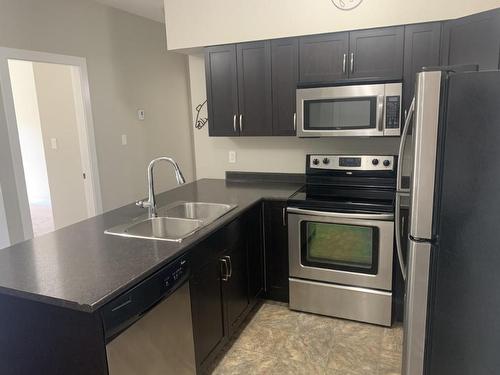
(452, 269)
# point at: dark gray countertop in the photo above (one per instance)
(80, 267)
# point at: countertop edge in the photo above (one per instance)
(190, 244)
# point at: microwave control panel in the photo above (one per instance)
(392, 112)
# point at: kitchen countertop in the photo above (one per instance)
(80, 267)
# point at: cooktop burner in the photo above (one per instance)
(347, 183)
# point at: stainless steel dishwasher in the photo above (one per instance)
(148, 329)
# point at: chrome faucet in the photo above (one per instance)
(151, 202)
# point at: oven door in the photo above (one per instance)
(342, 248)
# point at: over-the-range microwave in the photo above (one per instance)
(365, 110)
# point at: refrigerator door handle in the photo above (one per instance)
(398, 229)
(402, 145)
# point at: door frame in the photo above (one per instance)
(4, 229)
(85, 128)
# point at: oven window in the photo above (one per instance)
(339, 246)
(340, 114)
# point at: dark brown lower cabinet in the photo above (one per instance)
(225, 284)
(255, 256)
(276, 250)
(234, 285)
(207, 312)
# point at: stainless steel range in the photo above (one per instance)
(341, 238)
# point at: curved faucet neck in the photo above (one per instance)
(151, 191)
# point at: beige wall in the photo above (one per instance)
(128, 69)
(265, 154)
(195, 23)
(54, 88)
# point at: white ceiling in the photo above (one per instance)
(152, 9)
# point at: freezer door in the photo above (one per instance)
(415, 318)
(427, 107)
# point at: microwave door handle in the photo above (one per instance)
(398, 229)
(402, 145)
(380, 112)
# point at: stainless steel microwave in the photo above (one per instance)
(369, 110)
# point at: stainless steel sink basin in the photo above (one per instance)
(174, 222)
(158, 228)
(206, 212)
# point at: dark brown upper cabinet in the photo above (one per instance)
(376, 53)
(324, 58)
(364, 54)
(284, 77)
(222, 90)
(473, 40)
(422, 43)
(239, 89)
(254, 88)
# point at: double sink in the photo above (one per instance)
(174, 222)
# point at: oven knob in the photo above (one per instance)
(387, 163)
(326, 161)
(375, 161)
(315, 161)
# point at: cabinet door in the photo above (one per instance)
(254, 88)
(323, 58)
(222, 90)
(473, 40)
(235, 285)
(207, 310)
(422, 46)
(284, 62)
(376, 53)
(253, 234)
(276, 250)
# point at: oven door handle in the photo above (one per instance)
(341, 215)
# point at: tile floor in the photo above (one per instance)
(279, 341)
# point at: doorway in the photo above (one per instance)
(47, 105)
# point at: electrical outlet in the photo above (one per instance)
(141, 114)
(232, 156)
(124, 139)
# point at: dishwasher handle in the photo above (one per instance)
(126, 309)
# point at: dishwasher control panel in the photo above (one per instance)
(134, 303)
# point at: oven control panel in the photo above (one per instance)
(353, 162)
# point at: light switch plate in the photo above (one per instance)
(124, 139)
(53, 143)
(141, 114)
(232, 156)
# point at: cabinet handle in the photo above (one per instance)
(234, 123)
(230, 271)
(344, 63)
(352, 62)
(224, 269)
(295, 121)
(241, 123)
(283, 216)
